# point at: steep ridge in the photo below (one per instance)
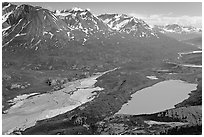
(7, 9)
(34, 26)
(77, 18)
(85, 26)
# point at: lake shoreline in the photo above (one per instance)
(156, 94)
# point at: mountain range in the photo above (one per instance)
(35, 30)
(77, 24)
(44, 49)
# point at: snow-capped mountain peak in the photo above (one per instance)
(33, 26)
(77, 18)
(128, 24)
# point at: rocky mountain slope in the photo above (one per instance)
(128, 24)
(84, 25)
(31, 27)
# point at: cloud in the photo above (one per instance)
(164, 19)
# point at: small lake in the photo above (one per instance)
(161, 96)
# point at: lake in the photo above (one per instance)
(161, 96)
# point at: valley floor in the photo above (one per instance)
(89, 105)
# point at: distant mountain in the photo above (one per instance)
(179, 32)
(175, 28)
(128, 24)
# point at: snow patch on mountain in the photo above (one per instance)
(5, 16)
(77, 9)
(6, 6)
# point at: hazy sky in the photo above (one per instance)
(159, 13)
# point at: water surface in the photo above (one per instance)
(161, 96)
